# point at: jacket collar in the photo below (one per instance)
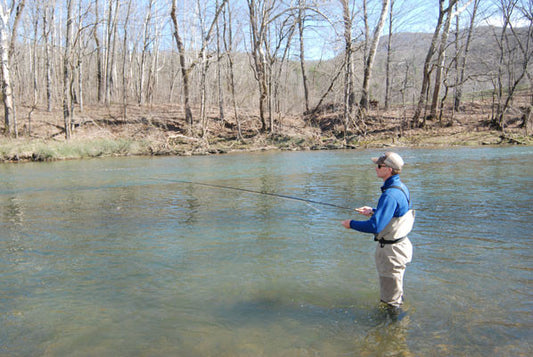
(391, 181)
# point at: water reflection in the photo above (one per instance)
(390, 336)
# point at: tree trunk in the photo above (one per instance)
(67, 94)
(47, 23)
(523, 44)
(427, 69)
(301, 26)
(184, 71)
(7, 90)
(16, 21)
(34, 71)
(144, 53)
(372, 54)
(462, 67)
(7, 44)
(206, 36)
(348, 75)
(440, 62)
(389, 54)
(111, 49)
(403, 90)
(257, 31)
(275, 60)
(228, 46)
(99, 65)
(204, 66)
(124, 64)
(80, 58)
(219, 73)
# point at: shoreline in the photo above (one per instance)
(157, 131)
(41, 150)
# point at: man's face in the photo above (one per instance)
(383, 171)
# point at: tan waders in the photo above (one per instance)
(393, 252)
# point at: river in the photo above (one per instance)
(125, 257)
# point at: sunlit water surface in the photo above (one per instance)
(116, 257)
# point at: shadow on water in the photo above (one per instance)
(373, 330)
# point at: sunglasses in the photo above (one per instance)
(380, 166)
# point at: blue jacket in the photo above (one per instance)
(392, 203)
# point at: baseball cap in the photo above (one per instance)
(389, 159)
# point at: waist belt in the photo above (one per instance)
(382, 241)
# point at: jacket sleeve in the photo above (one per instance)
(381, 217)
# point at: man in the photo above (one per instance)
(390, 222)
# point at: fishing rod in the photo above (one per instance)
(260, 193)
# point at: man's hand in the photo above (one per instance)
(346, 223)
(365, 210)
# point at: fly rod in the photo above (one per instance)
(260, 193)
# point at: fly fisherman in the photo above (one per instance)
(390, 223)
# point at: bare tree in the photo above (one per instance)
(36, 16)
(527, 117)
(110, 50)
(147, 40)
(204, 66)
(19, 6)
(441, 58)
(47, 25)
(100, 79)
(125, 62)
(7, 90)
(348, 69)
(426, 72)
(228, 46)
(301, 26)
(259, 13)
(80, 56)
(202, 55)
(67, 74)
(18, 15)
(450, 14)
(369, 61)
(219, 72)
(462, 59)
(184, 69)
(266, 40)
(7, 45)
(207, 32)
(516, 45)
(389, 54)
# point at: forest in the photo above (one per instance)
(196, 71)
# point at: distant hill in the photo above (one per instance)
(406, 41)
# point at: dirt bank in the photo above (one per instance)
(162, 130)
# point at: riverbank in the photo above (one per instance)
(161, 130)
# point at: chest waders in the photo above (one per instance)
(393, 253)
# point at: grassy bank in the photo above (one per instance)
(49, 150)
(24, 149)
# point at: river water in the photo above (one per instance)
(117, 257)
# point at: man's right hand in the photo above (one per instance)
(365, 210)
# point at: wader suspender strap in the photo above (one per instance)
(383, 241)
(401, 189)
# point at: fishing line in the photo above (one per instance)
(260, 193)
